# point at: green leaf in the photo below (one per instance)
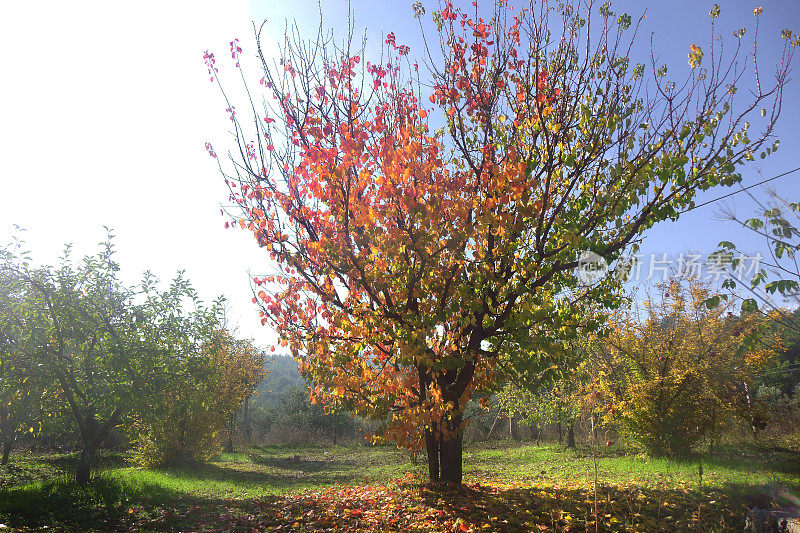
(749, 305)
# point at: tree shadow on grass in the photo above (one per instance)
(68, 461)
(278, 474)
(772, 458)
(110, 500)
(98, 504)
(297, 463)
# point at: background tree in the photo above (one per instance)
(198, 373)
(111, 353)
(280, 411)
(241, 368)
(554, 396)
(413, 259)
(774, 290)
(79, 318)
(676, 371)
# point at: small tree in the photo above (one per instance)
(678, 371)
(102, 349)
(240, 369)
(184, 419)
(80, 326)
(429, 223)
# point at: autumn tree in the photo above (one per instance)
(675, 371)
(240, 370)
(427, 216)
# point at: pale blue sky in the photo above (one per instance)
(106, 108)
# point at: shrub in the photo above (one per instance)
(679, 371)
(199, 396)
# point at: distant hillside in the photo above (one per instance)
(282, 378)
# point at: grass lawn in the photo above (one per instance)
(508, 487)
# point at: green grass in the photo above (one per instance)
(272, 470)
(29, 468)
(743, 467)
(37, 490)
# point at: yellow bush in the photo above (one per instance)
(675, 371)
(200, 395)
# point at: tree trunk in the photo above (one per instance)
(451, 452)
(491, 429)
(571, 434)
(246, 415)
(560, 434)
(446, 445)
(7, 433)
(84, 469)
(450, 459)
(89, 434)
(432, 448)
(7, 443)
(230, 430)
(444, 457)
(93, 435)
(514, 429)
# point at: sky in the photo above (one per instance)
(106, 107)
